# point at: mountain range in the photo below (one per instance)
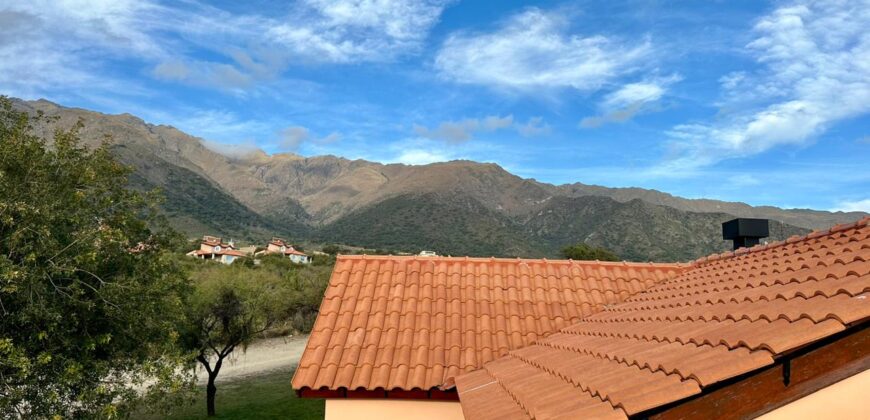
(457, 207)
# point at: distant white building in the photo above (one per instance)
(213, 248)
(428, 254)
(280, 246)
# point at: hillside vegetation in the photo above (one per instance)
(450, 224)
(456, 208)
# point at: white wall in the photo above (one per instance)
(387, 409)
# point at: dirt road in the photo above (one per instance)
(262, 356)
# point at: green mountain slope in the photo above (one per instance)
(194, 206)
(636, 230)
(458, 208)
(450, 224)
(456, 224)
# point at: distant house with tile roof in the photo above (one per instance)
(770, 329)
(214, 248)
(281, 247)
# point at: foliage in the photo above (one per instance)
(583, 251)
(89, 294)
(334, 249)
(450, 224)
(232, 305)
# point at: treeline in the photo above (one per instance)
(299, 287)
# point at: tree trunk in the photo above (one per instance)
(211, 391)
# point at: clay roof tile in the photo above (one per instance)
(725, 315)
(437, 317)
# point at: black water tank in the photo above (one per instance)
(745, 232)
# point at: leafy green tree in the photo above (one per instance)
(583, 251)
(230, 307)
(90, 294)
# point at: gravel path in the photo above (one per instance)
(262, 356)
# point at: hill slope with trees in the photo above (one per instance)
(458, 207)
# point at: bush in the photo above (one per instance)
(335, 249)
(585, 252)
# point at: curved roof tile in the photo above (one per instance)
(404, 323)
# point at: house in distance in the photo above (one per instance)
(280, 246)
(214, 248)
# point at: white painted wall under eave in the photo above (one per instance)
(386, 409)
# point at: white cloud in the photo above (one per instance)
(815, 72)
(42, 47)
(534, 127)
(850, 206)
(223, 125)
(354, 30)
(629, 100)
(70, 43)
(463, 130)
(493, 122)
(292, 137)
(172, 70)
(232, 150)
(633, 93)
(535, 49)
(732, 80)
(348, 30)
(330, 138)
(460, 131)
(420, 157)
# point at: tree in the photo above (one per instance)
(230, 307)
(333, 249)
(583, 251)
(90, 294)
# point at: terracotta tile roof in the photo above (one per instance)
(414, 323)
(233, 252)
(292, 251)
(730, 314)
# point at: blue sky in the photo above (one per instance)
(761, 102)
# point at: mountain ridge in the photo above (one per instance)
(321, 196)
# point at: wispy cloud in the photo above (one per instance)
(224, 125)
(534, 127)
(464, 130)
(535, 49)
(460, 131)
(630, 100)
(52, 45)
(291, 138)
(48, 44)
(815, 73)
(347, 30)
(232, 150)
